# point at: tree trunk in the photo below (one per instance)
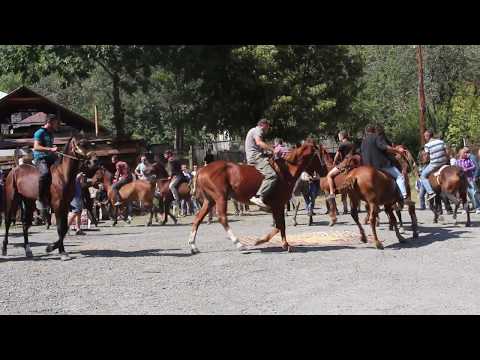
(179, 138)
(118, 116)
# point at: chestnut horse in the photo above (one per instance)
(452, 184)
(375, 188)
(21, 189)
(221, 179)
(137, 190)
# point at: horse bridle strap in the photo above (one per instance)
(68, 156)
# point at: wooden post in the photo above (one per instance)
(421, 93)
(96, 121)
(190, 158)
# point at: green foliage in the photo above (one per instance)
(465, 117)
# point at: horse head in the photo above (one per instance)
(77, 149)
(303, 155)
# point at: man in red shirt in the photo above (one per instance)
(122, 177)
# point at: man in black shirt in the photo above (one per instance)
(375, 150)
(345, 147)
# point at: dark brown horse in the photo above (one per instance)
(450, 185)
(376, 188)
(221, 179)
(164, 194)
(21, 189)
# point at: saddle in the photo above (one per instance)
(439, 171)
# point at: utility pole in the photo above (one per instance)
(421, 92)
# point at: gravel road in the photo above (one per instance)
(131, 269)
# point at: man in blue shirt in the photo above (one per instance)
(44, 154)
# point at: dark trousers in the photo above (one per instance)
(45, 179)
(118, 185)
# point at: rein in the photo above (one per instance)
(68, 156)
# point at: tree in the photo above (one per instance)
(127, 67)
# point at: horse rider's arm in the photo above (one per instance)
(263, 144)
(38, 147)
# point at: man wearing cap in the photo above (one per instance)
(255, 150)
(44, 154)
(122, 177)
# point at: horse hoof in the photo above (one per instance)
(242, 247)
(379, 246)
(295, 224)
(363, 240)
(332, 222)
(290, 249)
(49, 248)
(148, 224)
(402, 230)
(194, 251)
(65, 257)
(402, 240)
(4, 252)
(29, 254)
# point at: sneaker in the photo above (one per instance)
(118, 203)
(431, 196)
(258, 201)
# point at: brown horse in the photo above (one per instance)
(451, 185)
(376, 188)
(21, 189)
(221, 179)
(142, 191)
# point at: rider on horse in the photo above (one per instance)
(174, 170)
(122, 177)
(255, 149)
(375, 152)
(438, 157)
(345, 147)
(44, 155)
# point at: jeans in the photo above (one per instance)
(424, 176)
(393, 171)
(313, 190)
(173, 187)
(421, 194)
(473, 194)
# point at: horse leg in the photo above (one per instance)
(344, 202)
(222, 218)
(62, 228)
(206, 206)
(10, 212)
(280, 225)
(354, 213)
(296, 206)
(393, 221)
(27, 214)
(333, 211)
(373, 224)
(366, 221)
(399, 215)
(413, 216)
(463, 197)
